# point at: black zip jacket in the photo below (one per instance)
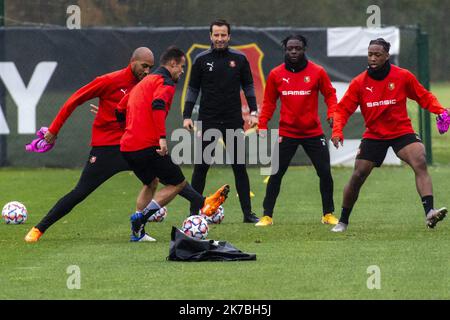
(219, 75)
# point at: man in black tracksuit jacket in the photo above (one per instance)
(219, 73)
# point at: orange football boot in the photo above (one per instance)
(213, 202)
(33, 235)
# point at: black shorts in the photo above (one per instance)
(147, 164)
(376, 150)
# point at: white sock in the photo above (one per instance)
(150, 209)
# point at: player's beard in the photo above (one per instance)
(223, 48)
(177, 79)
(296, 66)
(137, 75)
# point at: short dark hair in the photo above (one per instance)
(220, 22)
(380, 41)
(171, 52)
(296, 37)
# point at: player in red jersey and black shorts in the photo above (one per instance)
(144, 143)
(381, 92)
(105, 159)
(297, 83)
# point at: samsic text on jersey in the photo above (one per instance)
(383, 104)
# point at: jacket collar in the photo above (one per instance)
(296, 67)
(381, 73)
(220, 53)
(163, 71)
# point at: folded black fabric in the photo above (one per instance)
(184, 248)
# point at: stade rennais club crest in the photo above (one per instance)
(254, 56)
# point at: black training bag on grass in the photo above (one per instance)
(184, 248)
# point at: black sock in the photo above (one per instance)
(345, 215)
(428, 204)
(195, 198)
(268, 213)
(196, 206)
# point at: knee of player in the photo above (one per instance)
(277, 174)
(324, 173)
(359, 175)
(154, 183)
(201, 168)
(420, 163)
(240, 168)
(181, 185)
(79, 193)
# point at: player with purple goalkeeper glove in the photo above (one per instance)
(40, 144)
(443, 122)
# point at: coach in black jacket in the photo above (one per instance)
(219, 73)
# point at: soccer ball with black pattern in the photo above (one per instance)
(217, 217)
(158, 216)
(14, 212)
(195, 227)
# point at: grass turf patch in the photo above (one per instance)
(297, 258)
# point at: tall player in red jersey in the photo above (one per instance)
(381, 92)
(144, 143)
(297, 83)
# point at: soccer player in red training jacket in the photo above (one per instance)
(297, 83)
(144, 144)
(381, 93)
(105, 159)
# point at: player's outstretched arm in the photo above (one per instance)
(86, 93)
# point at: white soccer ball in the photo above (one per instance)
(217, 217)
(195, 227)
(14, 212)
(159, 215)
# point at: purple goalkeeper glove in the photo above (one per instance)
(39, 144)
(443, 122)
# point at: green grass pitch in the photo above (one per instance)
(297, 258)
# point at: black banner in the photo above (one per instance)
(43, 67)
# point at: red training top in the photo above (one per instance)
(383, 104)
(147, 106)
(110, 89)
(299, 95)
